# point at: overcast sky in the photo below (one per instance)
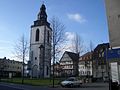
(84, 17)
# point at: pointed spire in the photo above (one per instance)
(42, 17)
(43, 7)
(42, 14)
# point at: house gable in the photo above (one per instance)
(65, 58)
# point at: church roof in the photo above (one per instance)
(41, 18)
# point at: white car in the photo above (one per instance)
(71, 82)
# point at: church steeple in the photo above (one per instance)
(42, 17)
(40, 46)
(42, 14)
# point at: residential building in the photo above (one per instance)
(10, 68)
(69, 64)
(57, 69)
(85, 66)
(100, 69)
(40, 46)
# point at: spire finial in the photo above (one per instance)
(42, 2)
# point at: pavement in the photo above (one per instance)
(96, 85)
(86, 86)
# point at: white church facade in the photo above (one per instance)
(40, 46)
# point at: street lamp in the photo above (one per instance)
(108, 66)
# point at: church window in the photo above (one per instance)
(35, 58)
(37, 35)
(48, 35)
(47, 70)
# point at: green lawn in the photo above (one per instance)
(38, 82)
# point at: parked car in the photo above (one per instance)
(71, 82)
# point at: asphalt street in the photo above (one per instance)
(8, 88)
(92, 86)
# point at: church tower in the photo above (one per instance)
(40, 46)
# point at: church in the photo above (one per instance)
(40, 46)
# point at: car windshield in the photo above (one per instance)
(71, 79)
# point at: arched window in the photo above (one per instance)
(47, 70)
(37, 35)
(48, 35)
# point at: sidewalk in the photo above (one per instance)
(95, 85)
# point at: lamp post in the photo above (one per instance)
(23, 67)
(108, 66)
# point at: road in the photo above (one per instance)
(8, 88)
(92, 86)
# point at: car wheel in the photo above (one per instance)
(71, 85)
(68, 85)
(79, 85)
(62, 85)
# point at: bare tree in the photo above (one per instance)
(21, 52)
(58, 36)
(58, 39)
(77, 44)
(91, 46)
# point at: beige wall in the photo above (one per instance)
(113, 16)
(11, 65)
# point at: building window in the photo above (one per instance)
(48, 35)
(88, 73)
(83, 72)
(119, 16)
(37, 35)
(47, 70)
(35, 58)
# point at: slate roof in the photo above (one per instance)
(86, 56)
(73, 56)
(101, 46)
